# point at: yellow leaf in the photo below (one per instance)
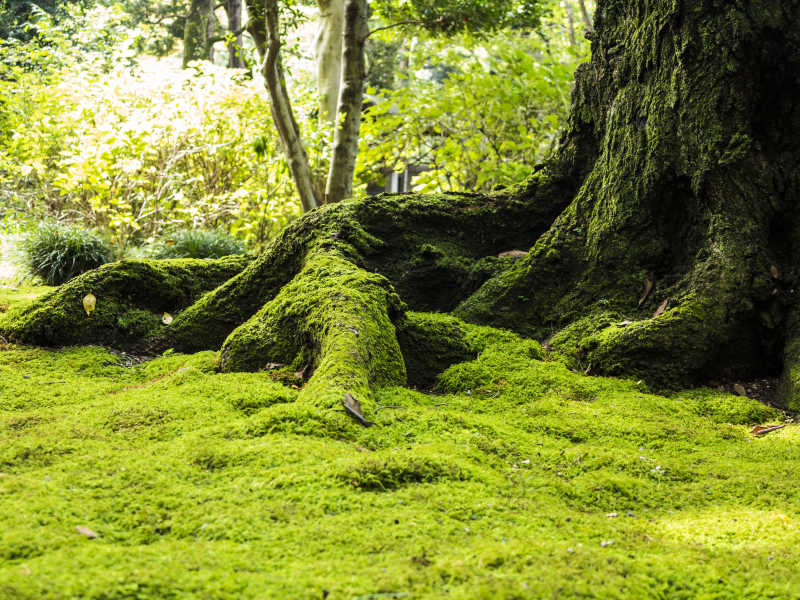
(89, 302)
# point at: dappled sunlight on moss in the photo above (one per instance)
(517, 478)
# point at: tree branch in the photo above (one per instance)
(392, 26)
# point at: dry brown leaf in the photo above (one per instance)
(166, 318)
(648, 287)
(86, 532)
(739, 389)
(513, 254)
(773, 270)
(273, 366)
(89, 302)
(353, 408)
(765, 429)
(662, 307)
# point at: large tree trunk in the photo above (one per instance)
(679, 168)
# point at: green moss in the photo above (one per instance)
(726, 408)
(390, 470)
(332, 320)
(486, 495)
(568, 343)
(431, 342)
(131, 298)
(10, 296)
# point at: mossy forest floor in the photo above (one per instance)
(517, 479)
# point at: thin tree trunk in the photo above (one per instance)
(587, 20)
(208, 46)
(233, 8)
(265, 28)
(328, 46)
(345, 140)
(570, 23)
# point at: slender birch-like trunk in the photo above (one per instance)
(265, 29)
(328, 47)
(587, 20)
(345, 139)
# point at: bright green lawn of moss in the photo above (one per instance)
(500, 485)
(12, 295)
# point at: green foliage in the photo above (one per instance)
(477, 113)
(452, 16)
(196, 243)
(56, 253)
(131, 150)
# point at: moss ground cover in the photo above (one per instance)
(513, 478)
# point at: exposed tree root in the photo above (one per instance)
(680, 167)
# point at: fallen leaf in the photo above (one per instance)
(773, 270)
(166, 318)
(353, 408)
(273, 366)
(739, 389)
(513, 254)
(89, 302)
(648, 287)
(625, 323)
(612, 515)
(169, 242)
(765, 429)
(301, 373)
(86, 532)
(662, 307)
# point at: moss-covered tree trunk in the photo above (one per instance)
(662, 233)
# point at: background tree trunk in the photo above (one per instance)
(233, 9)
(196, 32)
(346, 133)
(265, 29)
(587, 20)
(328, 47)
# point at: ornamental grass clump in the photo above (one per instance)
(196, 243)
(56, 253)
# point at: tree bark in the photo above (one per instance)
(265, 29)
(570, 23)
(680, 167)
(345, 139)
(233, 9)
(328, 47)
(196, 32)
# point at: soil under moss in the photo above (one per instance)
(517, 478)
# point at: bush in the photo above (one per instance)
(57, 253)
(196, 243)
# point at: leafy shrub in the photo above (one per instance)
(57, 253)
(196, 243)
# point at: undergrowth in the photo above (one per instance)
(517, 479)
